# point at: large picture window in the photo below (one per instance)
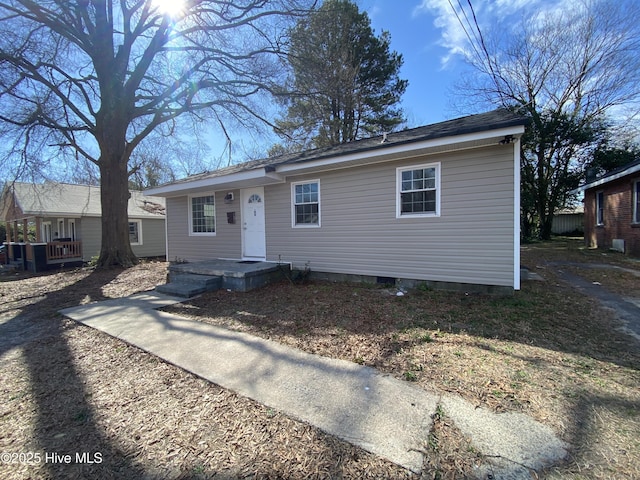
(418, 191)
(306, 204)
(202, 215)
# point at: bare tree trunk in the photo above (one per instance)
(114, 193)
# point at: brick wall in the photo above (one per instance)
(618, 216)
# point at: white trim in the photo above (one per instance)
(243, 200)
(598, 222)
(73, 233)
(60, 230)
(44, 231)
(166, 233)
(139, 223)
(611, 178)
(635, 220)
(261, 177)
(293, 205)
(399, 170)
(215, 215)
(401, 149)
(258, 176)
(516, 215)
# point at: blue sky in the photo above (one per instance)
(414, 34)
(432, 41)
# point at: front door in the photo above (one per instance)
(253, 232)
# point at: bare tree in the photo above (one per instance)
(94, 78)
(566, 71)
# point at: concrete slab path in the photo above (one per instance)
(386, 416)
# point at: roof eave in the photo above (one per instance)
(267, 176)
(258, 176)
(607, 179)
(400, 150)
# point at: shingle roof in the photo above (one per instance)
(623, 171)
(496, 119)
(62, 198)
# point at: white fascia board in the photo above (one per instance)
(516, 215)
(400, 149)
(216, 182)
(66, 215)
(602, 181)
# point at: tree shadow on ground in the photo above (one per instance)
(65, 421)
(220, 435)
(569, 346)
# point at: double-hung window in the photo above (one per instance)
(202, 215)
(306, 204)
(599, 208)
(636, 201)
(418, 191)
(135, 232)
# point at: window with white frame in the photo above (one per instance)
(202, 215)
(46, 232)
(418, 191)
(599, 208)
(72, 229)
(636, 202)
(306, 203)
(135, 232)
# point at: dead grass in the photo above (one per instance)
(547, 351)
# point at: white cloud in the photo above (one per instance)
(491, 15)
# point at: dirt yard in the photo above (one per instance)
(547, 351)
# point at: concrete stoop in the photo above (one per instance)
(187, 280)
(187, 285)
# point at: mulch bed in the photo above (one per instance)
(547, 352)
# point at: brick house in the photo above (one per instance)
(612, 210)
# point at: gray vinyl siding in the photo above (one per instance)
(91, 236)
(153, 238)
(471, 242)
(225, 244)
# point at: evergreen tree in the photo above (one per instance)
(345, 78)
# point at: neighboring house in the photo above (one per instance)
(612, 210)
(438, 204)
(568, 221)
(66, 225)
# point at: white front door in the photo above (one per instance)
(253, 232)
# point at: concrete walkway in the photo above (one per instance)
(386, 416)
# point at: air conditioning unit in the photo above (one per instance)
(617, 245)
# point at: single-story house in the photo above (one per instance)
(438, 204)
(53, 223)
(612, 210)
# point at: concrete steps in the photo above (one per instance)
(187, 285)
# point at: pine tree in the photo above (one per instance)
(345, 79)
